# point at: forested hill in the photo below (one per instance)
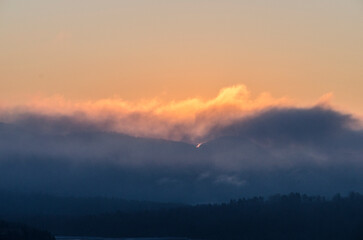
(14, 205)
(13, 231)
(282, 217)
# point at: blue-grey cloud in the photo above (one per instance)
(312, 150)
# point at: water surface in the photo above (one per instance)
(101, 238)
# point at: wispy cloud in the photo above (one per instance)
(184, 120)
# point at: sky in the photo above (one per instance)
(194, 101)
(176, 50)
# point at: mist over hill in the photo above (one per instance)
(311, 150)
(16, 206)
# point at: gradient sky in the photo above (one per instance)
(92, 92)
(139, 49)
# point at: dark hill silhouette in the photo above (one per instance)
(17, 205)
(14, 231)
(280, 217)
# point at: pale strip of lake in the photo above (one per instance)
(101, 238)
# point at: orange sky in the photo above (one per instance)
(176, 50)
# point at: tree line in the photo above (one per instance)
(292, 216)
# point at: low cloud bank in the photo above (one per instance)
(279, 149)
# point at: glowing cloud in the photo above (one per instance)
(185, 120)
